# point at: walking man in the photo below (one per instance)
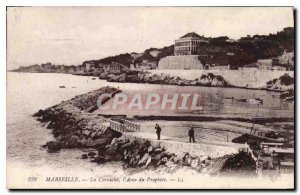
(158, 130)
(192, 134)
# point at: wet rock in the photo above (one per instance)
(99, 160)
(110, 76)
(103, 75)
(148, 162)
(241, 162)
(194, 83)
(84, 156)
(72, 142)
(204, 80)
(162, 161)
(101, 141)
(114, 141)
(125, 146)
(134, 161)
(88, 143)
(150, 149)
(218, 81)
(144, 159)
(203, 158)
(92, 153)
(158, 150)
(94, 135)
(39, 113)
(54, 146)
(86, 133)
(119, 78)
(195, 162)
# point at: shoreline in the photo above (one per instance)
(227, 86)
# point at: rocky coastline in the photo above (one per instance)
(283, 84)
(73, 125)
(204, 80)
(146, 77)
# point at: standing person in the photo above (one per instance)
(158, 130)
(192, 134)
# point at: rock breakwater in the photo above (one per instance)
(73, 126)
(141, 153)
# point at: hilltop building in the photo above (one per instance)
(145, 66)
(114, 68)
(185, 53)
(187, 44)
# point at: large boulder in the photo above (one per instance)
(99, 160)
(204, 80)
(218, 81)
(103, 75)
(119, 78)
(39, 113)
(53, 146)
(110, 76)
(72, 142)
(194, 83)
(133, 79)
(282, 83)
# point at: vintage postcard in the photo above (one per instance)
(150, 98)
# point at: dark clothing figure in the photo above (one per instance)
(158, 130)
(192, 134)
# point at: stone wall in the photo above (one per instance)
(180, 62)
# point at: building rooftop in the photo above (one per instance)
(253, 65)
(272, 144)
(191, 34)
(281, 150)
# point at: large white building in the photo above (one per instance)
(185, 53)
(188, 44)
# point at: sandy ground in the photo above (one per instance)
(213, 138)
(205, 131)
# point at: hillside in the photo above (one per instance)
(219, 51)
(246, 50)
(127, 59)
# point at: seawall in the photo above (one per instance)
(238, 78)
(180, 62)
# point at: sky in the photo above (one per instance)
(71, 35)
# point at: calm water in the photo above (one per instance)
(29, 92)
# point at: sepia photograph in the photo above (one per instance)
(150, 97)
